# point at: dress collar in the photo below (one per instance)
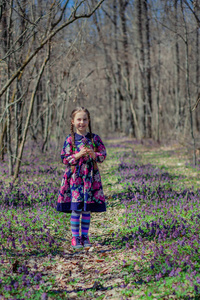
(79, 137)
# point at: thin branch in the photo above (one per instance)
(22, 16)
(45, 41)
(61, 15)
(107, 14)
(24, 42)
(193, 11)
(12, 103)
(178, 34)
(80, 81)
(197, 103)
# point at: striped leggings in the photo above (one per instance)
(75, 222)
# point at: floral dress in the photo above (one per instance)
(81, 187)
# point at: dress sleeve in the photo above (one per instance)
(67, 155)
(101, 150)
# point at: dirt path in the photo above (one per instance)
(101, 272)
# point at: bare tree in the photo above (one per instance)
(187, 77)
(36, 30)
(135, 64)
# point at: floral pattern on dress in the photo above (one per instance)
(82, 188)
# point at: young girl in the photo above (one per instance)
(81, 189)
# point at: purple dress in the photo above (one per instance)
(82, 187)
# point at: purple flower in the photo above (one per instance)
(152, 267)
(37, 277)
(158, 276)
(85, 141)
(198, 280)
(172, 273)
(7, 288)
(148, 278)
(16, 285)
(44, 296)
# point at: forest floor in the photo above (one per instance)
(145, 246)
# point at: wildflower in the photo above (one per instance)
(172, 273)
(44, 296)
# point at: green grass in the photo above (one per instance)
(110, 230)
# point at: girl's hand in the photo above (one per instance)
(83, 152)
(91, 153)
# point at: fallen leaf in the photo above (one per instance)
(125, 265)
(59, 267)
(103, 254)
(59, 277)
(75, 262)
(68, 273)
(70, 288)
(87, 267)
(99, 260)
(91, 249)
(136, 268)
(105, 271)
(89, 286)
(63, 283)
(73, 295)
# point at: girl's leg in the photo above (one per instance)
(75, 221)
(85, 222)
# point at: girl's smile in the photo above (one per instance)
(81, 122)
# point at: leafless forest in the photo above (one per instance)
(135, 64)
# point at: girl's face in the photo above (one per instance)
(81, 122)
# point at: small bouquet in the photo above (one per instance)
(86, 145)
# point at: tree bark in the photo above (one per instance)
(46, 132)
(148, 70)
(118, 112)
(141, 64)
(187, 77)
(29, 116)
(197, 112)
(128, 124)
(108, 69)
(177, 70)
(3, 137)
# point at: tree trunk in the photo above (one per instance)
(9, 148)
(118, 96)
(177, 71)
(197, 112)
(141, 64)
(148, 70)
(2, 139)
(29, 117)
(158, 93)
(108, 61)
(128, 124)
(187, 75)
(46, 131)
